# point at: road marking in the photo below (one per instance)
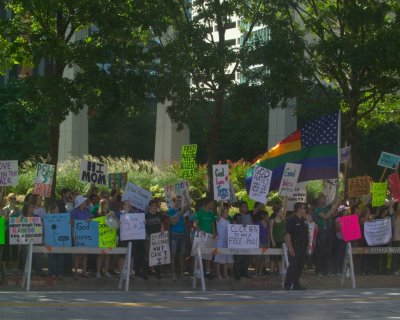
(172, 304)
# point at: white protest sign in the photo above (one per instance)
(24, 230)
(43, 179)
(330, 189)
(159, 252)
(8, 173)
(179, 189)
(345, 154)
(132, 226)
(137, 196)
(202, 240)
(299, 195)
(221, 182)
(260, 184)
(243, 237)
(289, 179)
(93, 172)
(378, 232)
(232, 193)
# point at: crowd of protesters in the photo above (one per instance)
(325, 247)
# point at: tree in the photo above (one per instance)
(94, 37)
(352, 47)
(198, 67)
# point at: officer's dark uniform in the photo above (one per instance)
(298, 230)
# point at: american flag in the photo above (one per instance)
(321, 131)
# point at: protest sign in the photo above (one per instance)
(57, 229)
(107, 235)
(180, 189)
(311, 238)
(345, 154)
(394, 183)
(86, 233)
(159, 252)
(289, 179)
(93, 172)
(188, 161)
(43, 179)
(2, 230)
(117, 180)
(8, 173)
(350, 227)
(260, 183)
(25, 230)
(202, 240)
(330, 188)
(137, 196)
(243, 237)
(389, 160)
(221, 182)
(378, 191)
(232, 193)
(359, 186)
(132, 226)
(299, 195)
(378, 232)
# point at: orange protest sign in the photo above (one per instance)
(359, 186)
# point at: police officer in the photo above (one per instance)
(296, 239)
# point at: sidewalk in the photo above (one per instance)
(268, 282)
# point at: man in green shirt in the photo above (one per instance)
(205, 220)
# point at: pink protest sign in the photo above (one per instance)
(350, 227)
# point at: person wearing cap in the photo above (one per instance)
(80, 212)
(296, 239)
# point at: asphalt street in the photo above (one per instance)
(280, 304)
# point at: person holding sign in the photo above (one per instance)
(296, 239)
(395, 213)
(205, 220)
(222, 242)
(154, 224)
(104, 210)
(177, 235)
(80, 212)
(10, 210)
(323, 214)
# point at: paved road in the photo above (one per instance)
(99, 305)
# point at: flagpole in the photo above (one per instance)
(338, 145)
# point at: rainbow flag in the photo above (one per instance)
(315, 147)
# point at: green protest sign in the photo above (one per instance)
(188, 161)
(107, 235)
(2, 231)
(378, 191)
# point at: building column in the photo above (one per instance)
(169, 141)
(282, 122)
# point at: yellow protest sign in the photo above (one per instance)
(188, 161)
(378, 191)
(107, 235)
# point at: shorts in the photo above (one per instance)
(177, 244)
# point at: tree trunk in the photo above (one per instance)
(53, 143)
(213, 138)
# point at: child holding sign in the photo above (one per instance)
(222, 242)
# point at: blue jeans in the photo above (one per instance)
(56, 264)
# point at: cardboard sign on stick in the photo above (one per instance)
(8, 173)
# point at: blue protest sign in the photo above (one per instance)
(389, 160)
(86, 233)
(57, 229)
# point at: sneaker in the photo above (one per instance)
(396, 273)
(108, 275)
(98, 275)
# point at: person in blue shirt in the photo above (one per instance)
(177, 236)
